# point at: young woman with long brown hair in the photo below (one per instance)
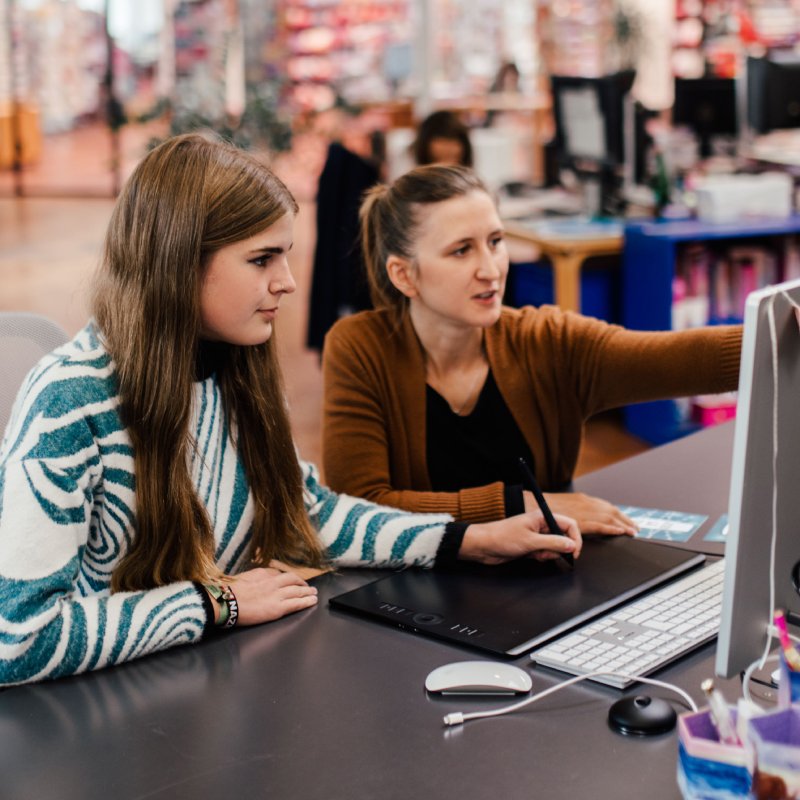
(148, 478)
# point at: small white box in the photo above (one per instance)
(723, 198)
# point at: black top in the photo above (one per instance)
(477, 449)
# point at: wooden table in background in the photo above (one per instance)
(567, 253)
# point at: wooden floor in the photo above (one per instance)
(49, 247)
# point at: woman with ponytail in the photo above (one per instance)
(150, 492)
(432, 398)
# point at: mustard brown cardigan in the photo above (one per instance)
(554, 370)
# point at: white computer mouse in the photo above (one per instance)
(478, 677)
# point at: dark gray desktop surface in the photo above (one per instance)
(692, 474)
(327, 705)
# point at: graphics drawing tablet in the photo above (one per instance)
(510, 609)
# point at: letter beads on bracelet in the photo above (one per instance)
(233, 607)
(228, 605)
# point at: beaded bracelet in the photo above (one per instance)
(228, 605)
(233, 607)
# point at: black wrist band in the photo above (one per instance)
(447, 554)
(207, 607)
(514, 500)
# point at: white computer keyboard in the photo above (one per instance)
(644, 635)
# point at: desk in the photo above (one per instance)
(568, 245)
(652, 479)
(327, 706)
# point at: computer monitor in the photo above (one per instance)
(590, 116)
(708, 107)
(773, 92)
(763, 540)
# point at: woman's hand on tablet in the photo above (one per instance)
(525, 535)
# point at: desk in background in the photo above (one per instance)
(568, 244)
(327, 706)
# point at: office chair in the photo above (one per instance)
(24, 339)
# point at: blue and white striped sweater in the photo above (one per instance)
(67, 509)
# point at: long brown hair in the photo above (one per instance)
(390, 218)
(187, 198)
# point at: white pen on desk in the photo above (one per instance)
(720, 713)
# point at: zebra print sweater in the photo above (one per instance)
(67, 517)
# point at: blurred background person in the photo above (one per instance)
(442, 138)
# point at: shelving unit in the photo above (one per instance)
(651, 254)
(341, 46)
(704, 38)
(374, 51)
(470, 38)
(775, 22)
(575, 36)
(713, 35)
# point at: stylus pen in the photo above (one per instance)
(529, 482)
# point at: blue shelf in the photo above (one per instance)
(648, 266)
(531, 283)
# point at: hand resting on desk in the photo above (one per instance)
(592, 514)
(265, 594)
(519, 536)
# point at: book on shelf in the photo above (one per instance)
(711, 286)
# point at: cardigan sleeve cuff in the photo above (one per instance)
(514, 500)
(483, 503)
(209, 626)
(730, 357)
(447, 554)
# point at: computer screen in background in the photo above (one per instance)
(590, 136)
(763, 540)
(708, 107)
(773, 92)
(583, 124)
(589, 118)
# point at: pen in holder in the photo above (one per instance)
(789, 682)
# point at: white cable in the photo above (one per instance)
(748, 676)
(773, 338)
(791, 301)
(771, 629)
(459, 717)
